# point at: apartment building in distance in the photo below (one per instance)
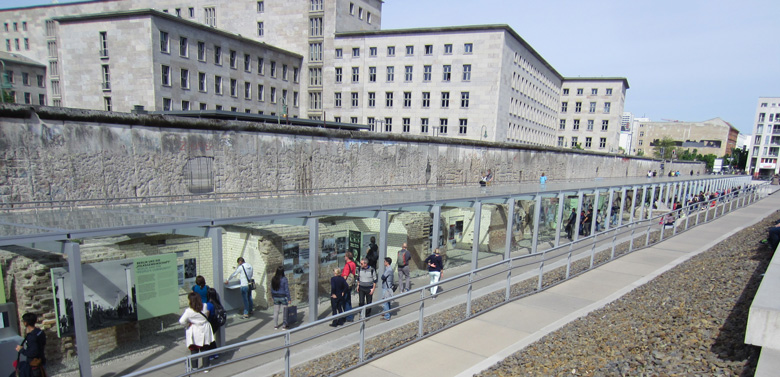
(591, 112)
(117, 60)
(764, 149)
(24, 79)
(714, 136)
(474, 82)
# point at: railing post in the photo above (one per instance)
(468, 295)
(661, 237)
(647, 235)
(287, 371)
(508, 280)
(592, 252)
(421, 320)
(614, 242)
(707, 210)
(631, 243)
(362, 334)
(568, 261)
(541, 271)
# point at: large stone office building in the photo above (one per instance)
(483, 82)
(591, 113)
(24, 79)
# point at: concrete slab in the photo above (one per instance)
(593, 285)
(768, 363)
(522, 317)
(492, 338)
(556, 302)
(371, 370)
(420, 359)
(629, 268)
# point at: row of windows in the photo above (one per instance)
(26, 79)
(167, 105)
(588, 142)
(533, 91)
(233, 57)
(591, 107)
(408, 73)
(527, 135)
(360, 13)
(593, 91)
(525, 111)
(389, 99)
(589, 127)
(528, 67)
(15, 26)
(772, 117)
(17, 43)
(386, 125)
(27, 98)
(468, 48)
(775, 129)
(218, 84)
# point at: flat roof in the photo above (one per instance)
(454, 29)
(39, 225)
(170, 17)
(625, 80)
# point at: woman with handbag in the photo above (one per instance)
(199, 334)
(280, 292)
(32, 348)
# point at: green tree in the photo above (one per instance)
(687, 155)
(709, 159)
(739, 158)
(576, 146)
(663, 148)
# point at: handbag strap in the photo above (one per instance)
(245, 274)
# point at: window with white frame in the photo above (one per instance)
(315, 76)
(338, 74)
(337, 99)
(355, 74)
(371, 99)
(202, 51)
(427, 72)
(233, 88)
(202, 82)
(390, 50)
(315, 52)
(164, 42)
(217, 55)
(315, 27)
(372, 52)
(407, 99)
(247, 90)
(426, 100)
(463, 126)
(355, 99)
(464, 99)
(443, 126)
(210, 16)
(428, 49)
(184, 50)
(165, 75)
(408, 73)
(605, 125)
(260, 92)
(409, 50)
(388, 99)
(390, 74)
(467, 72)
(602, 142)
(447, 72)
(447, 49)
(468, 48)
(260, 28)
(445, 99)
(185, 78)
(424, 125)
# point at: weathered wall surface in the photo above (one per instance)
(66, 154)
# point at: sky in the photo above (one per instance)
(687, 60)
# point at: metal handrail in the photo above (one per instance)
(748, 196)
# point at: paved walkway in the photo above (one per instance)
(479, 343)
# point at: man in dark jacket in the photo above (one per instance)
(372, 254)
(570, 224)
(338, 292)
(32, 347)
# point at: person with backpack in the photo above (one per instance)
(349, 274)
(367, 278)
(198, 334)
(217, 317)
(280, 293)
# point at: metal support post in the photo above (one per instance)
(383, 225)
(595, 214)
(622, 205)
(576, 230)
(314, 262)
(537, 212)
(642, 205)
(76, 280)
(436, 227)
(559, 220)
(475, 238)
(217, 269)
(652, 203)
(608, 218)
(509, 227)
(633, 204)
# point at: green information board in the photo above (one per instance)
(156, 285)
(354, 242)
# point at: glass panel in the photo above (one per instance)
(522, 227)
(548, 223)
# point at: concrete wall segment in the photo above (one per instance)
(61, 154)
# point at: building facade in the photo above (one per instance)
(480, 83)
(24, 80)
(714, 136)
(765, 146)
(107, 62)
(474, 82)
(591, 113)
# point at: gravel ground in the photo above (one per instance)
(689, 321)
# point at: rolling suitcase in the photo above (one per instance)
(290, 315)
